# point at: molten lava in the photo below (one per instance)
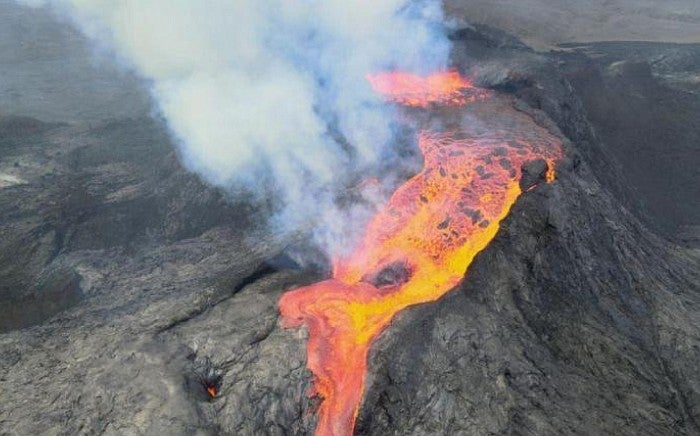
(444, 88)
(420, 244)
(211, 390)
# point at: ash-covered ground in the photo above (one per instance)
(121, 273)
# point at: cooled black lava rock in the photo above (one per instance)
(209, 376)
(533, 173)
(394, 274)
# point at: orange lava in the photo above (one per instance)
(551, 173)
(444, 88)
(418, 246)
(211, 390)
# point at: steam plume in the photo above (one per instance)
(270, 95)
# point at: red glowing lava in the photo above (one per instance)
(444, 88)
(420, 244)
(211, 390)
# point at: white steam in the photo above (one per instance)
(270, 92)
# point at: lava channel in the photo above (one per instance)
(420, 244)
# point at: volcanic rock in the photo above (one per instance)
(122, 275)
(391, 275)
(532, 173)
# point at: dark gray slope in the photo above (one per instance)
(546, 23)
(120, 272)
(49, 71)
(129, 272)
(114, 186)
(643, 102)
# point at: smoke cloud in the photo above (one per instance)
(270, 96)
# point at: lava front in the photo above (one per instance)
(420, 244)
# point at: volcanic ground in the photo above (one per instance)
(128, 287)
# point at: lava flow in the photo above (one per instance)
(443, 88)
(420, 244)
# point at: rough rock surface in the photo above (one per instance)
(120, 273)
(643, 101)
(545, 23)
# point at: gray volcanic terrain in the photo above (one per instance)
(49, 71)
(125, 279)
(546, 23)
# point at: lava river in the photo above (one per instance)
(419, 245)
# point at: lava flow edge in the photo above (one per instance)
(429, 232)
